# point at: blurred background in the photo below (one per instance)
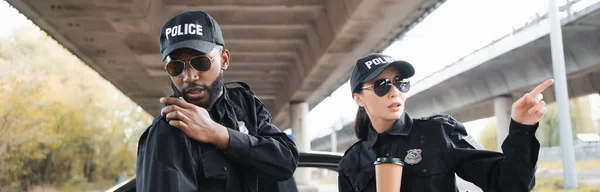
(80, 80)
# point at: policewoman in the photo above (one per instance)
(433, 148)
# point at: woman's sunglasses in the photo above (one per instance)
(199, 63)
(382, 86)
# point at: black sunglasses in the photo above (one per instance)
(199, 63)
(382, 86)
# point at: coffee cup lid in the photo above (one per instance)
(382, 160)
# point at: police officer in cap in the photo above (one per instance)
(208, 137)
(433, 148)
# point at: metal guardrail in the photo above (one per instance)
(583, 151)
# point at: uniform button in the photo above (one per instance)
(422, 141)
(387, 154)
(422, 136)
(424, 170)
(527, 133)
(356, 188)
(225, 168)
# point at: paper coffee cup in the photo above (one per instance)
(388, 174)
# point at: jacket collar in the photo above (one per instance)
(222, 98)
(224, 93)
(401, 127)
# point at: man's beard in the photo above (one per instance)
(213, 91)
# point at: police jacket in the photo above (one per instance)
(170, 161)
(434, 149)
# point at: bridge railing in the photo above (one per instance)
(583, 151)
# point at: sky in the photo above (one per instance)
(12, 19)
(454, 30)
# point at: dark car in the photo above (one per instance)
(321, 165)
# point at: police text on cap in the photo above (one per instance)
(378, 60)
(187, 29)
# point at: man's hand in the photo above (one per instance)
(194, 121)
(530, 108)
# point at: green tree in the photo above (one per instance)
(488, 136)
(581, 121)
(60, 122)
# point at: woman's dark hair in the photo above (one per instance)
(361, 124)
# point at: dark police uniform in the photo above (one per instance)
(170, 161)
(434, 149)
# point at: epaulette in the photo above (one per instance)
(443, 117)
(437, 117)
(457, 128)
(244, 85)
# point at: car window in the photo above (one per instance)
(321, 179)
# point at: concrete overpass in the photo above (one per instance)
(486, 82)
(288, 51)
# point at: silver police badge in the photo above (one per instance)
(413, 156)
(242, 127)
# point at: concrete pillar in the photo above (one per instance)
(298, 116)
(502, 107)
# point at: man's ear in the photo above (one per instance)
(225, 57)
(358, 98)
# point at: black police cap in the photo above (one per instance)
(191, 29)
(370, 66)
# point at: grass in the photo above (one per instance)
(94, 186)
(99, 186)
(556, 184)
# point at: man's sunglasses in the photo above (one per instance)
(382, 86)
(199, 63)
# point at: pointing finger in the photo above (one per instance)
(541, 87)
